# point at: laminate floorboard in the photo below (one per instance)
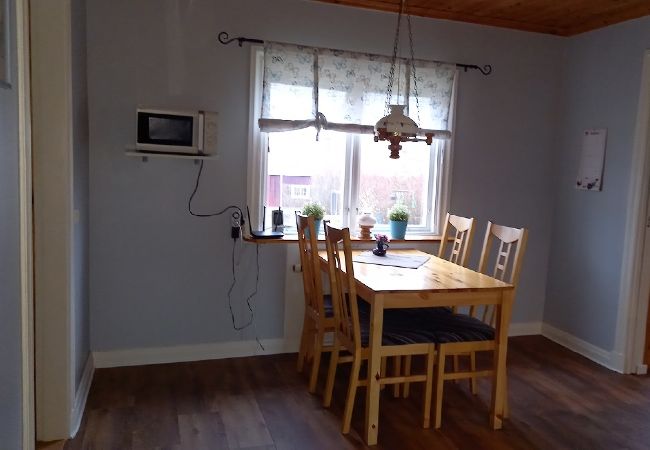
(558, 400)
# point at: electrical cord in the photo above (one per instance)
(254, 293)
(248, 299)
(218, 213)
(251, 319)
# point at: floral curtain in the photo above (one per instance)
(346, 91)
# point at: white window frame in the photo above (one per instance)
(258, 163)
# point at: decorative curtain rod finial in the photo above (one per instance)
(485, 70)
(223, 37)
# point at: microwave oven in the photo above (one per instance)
(181, 132)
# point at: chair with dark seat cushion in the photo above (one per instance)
(465, 334)
(319, 312)
(352, 330)
(455, 242)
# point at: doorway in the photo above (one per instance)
(646, 357)
(22, 84)
(633, 328)
(63, 366)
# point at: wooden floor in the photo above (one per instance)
(558, 400)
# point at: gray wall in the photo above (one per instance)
(502, 168)
(159, 276)
(80, 290)
(602, 75)
(10, 346)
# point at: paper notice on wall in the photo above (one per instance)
(592, 160)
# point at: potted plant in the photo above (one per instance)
(399, 217)
(317, 211)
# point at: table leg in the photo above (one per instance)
(498, 381)
(374, 370)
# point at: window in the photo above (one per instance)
(302, 192)
(348, 173)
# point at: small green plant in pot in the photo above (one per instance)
(317, 211)
(399, 217)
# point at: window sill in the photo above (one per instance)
(288, 239)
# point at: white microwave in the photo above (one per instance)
(176, 131)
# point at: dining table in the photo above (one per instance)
(436, 282)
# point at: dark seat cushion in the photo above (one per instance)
(460, 328)
(415, 316)
(396, 331)
(437, 325)
(430, 325)
(328, 306)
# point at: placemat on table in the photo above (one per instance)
(406, 261)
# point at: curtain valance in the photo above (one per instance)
(346, 91)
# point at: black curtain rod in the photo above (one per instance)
(225, 40)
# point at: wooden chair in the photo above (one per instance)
(319, 314)
(462, 334)
(462, 231)
(352, 331)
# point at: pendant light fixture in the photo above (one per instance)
(396, 127)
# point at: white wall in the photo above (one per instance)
(602, 75)
(158, 276)
(10, 332)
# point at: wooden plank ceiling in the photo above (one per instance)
(559, 17)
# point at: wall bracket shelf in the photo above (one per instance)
(146, 155)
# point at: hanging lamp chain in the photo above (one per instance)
(415, 78)
(391, 74)
(403, 10)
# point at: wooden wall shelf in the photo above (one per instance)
(293, 238)
(146, 155)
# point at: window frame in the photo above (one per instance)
(440, 163)
(296, 187)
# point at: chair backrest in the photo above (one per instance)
(506, 266)
(342, 285)
(311, 279)
(462, 229)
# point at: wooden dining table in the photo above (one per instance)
(437, 282)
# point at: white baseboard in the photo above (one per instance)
(197, 352)
(221, 350)
(617, 361)
(525, 329)
(81, 395)
(603, 357)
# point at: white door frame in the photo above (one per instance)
(26, 223)
(51, 90)
(633, 294)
